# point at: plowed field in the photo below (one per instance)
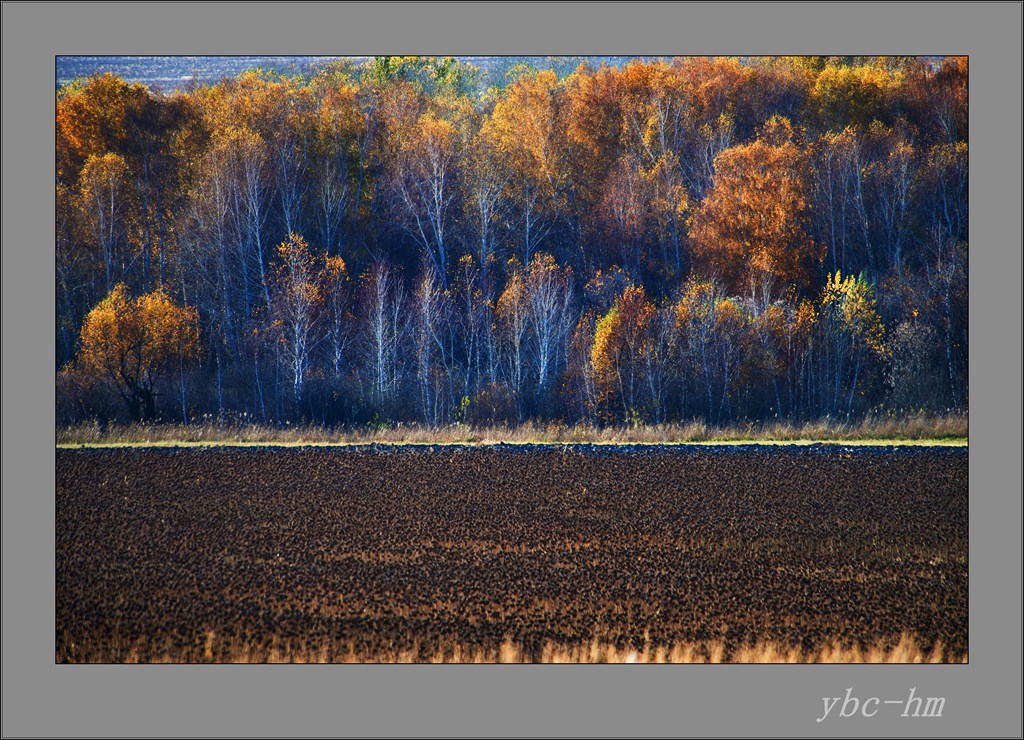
(426, 553)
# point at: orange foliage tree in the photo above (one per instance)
(133, 343)
(92, 119)
(524, 131)
(617, 355)
(751, 231)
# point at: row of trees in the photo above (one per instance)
(731, 239)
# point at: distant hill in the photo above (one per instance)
(173, 73)
(176, 72)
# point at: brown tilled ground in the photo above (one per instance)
(525, 552)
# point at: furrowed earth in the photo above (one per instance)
(440, 552)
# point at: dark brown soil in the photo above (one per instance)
(370, 550)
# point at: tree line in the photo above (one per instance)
(725, 239)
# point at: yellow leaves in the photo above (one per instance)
(844, 95)
(849, 303)
(669, 194)
(335, 271)
(242, 139)
(619, 334)
(511, 307)
(729, 316)
(533, 294)
(294, 250)
(236, 155)
(605, 336)
(542, 266)
(620, 347)
(948, 156)
(91, 120)
(130, 341)
(805, 319)
(774, 320)
(104, 330)
(300, 275)
(339, 121)
(432, 136)
(172, 329)
(777, 131)
(697, 300)
(523, 125)
(104, 178)
(702, 310)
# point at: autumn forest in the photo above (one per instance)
(402, 239)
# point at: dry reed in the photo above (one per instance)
(938, 428)
(903, 650)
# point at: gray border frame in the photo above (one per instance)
(41, 699)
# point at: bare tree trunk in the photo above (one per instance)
(181, 381)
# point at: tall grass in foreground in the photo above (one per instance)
(896, 429)
(216, 650)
